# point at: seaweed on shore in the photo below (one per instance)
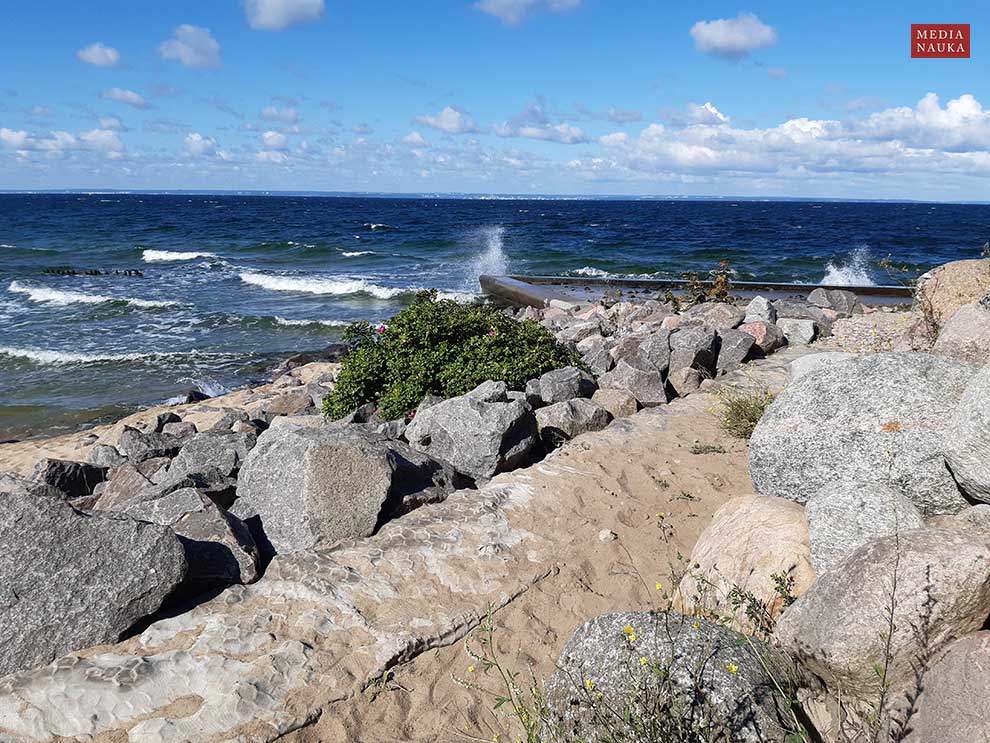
(70, 271)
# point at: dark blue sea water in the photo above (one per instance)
(231, 284)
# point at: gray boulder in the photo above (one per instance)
(75, 479)
(229, 418)
(127, 485)
(599, 361)
(843, 516)
(219, 547)
(838, 627)
(617, 402)
(138, 446)
(579, 331)
(639, 378)
(798, 332)
(694, 347)
(310, 486)
(877, 418)
(767, 336)
(760, 310)
(157, 425)
(560, 385)
(224, 451)
(843, 302)
(714, 674)
(812, 361)
(735, 347)
(104, 455)
(563, 421)
(798, 310)
(716, 316)
(967, 439)
(180, 429)
(69, 580)
(966, 335)
(478, 434)
(685, 380)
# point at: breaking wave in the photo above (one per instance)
(63, 297)
(302, 323)
(44, 356)
(356, 253)
(160, 256)
(321, 286)
(590, 271)
(854, 270)
(492, 259)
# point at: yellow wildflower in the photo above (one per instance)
(732, 668)
(659, 586)
(589, 684)
(630, 633)
(470, 669)
(642, 661)
(696, 625)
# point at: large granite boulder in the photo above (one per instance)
(810, 362)
(75, 479)
(639, 378)
(310, 486)
(844, 303)
(717, 316)
(138, 446)
(932, 584)
(967, 440)
(946, 288)
(560, 385)
(751, 541)
(798, 310)
(798, 332)
(767, 336)
(69, 580)
(965, 335)
(222, 451)
(695, 347)
(877, 418)
(618, 403)
(563, 421)
(478, 434)
(219, 547)
(735, 347)
(952, 705)
(760, 310)
(693, 670)
(843, 516)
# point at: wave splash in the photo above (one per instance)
(854, 270)
(302, 323)
(320, 286)
(161, 256)
(492, 260)
(65, 297)
(45, 356)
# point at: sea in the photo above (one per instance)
(110, 302)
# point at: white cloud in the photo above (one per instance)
(99, 140)
(732, 38)
(623, 116)
(198, 146)
(275, 15)
(415, 139)
(288, 114)
(122, 95)
(512, 12)
(451, 120)
(193, 46)
(111, 122)
(102, 139)
(99, 55)
(563, 133)
(274, 140)
(271, 156)
(705, 114)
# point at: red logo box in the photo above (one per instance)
(940, 40)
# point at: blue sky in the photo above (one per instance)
(496, 96)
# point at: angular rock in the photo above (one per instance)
(579, 331)
(86, 582)
(229, 417)
(967, 439)
(591, 344)
(639, 379)
(478, 434)
(224, 451)
(75, 479)
(843, 516)
(877, 418)
(292, 403)
(696, 655)
(760, 310)
(750, 540)
(694, 347)
(734, 348)
(617, 402)
(768, 338)
(838, 627)
(104, 455)
(138, 446)
(563, 421)
(158, 423)
(126, 485)
(181, 430)
(965, 335)
(560, 385)
(599, 362)
(685, 380)
(797, 310)
(946, 288)
(844, 303)
(717, 316)
(798, 332)
(219, 547)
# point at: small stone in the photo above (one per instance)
(607, 535)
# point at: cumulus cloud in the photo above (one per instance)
(288, 114)
(271, 156)
(98, 140)
(732, 38)
(415, 139)
(451, 120)
(276, 15)
(193, 46)
(563, 133)
(274, 141)
(198, 146)
(512, 12)
(99, 55)
(705, 113)
(121, 95)
(111, 122)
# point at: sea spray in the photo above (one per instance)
(853, 271)
(491, 260)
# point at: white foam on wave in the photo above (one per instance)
(492, 260)
(591, 271)
(376, 226)
(300, 323)
(356, 253)
(46, 356)
(854, 270)
(208, 386)
(460, 297)
(320, 286)
(64, 297)
(161, 256)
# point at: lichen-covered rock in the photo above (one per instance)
(563, 421)
(750, 540)
(69, 580)
(843, 516)
(967, 440)
(946, 288)
(478, 434)
(965, 335)
(717, 675)
(560, 385)
(877, 418)
(838, 627)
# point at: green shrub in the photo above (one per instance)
(741, 411)
(439, 347)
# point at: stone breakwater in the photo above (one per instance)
(336, 550)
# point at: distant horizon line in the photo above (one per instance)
(469, 195)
